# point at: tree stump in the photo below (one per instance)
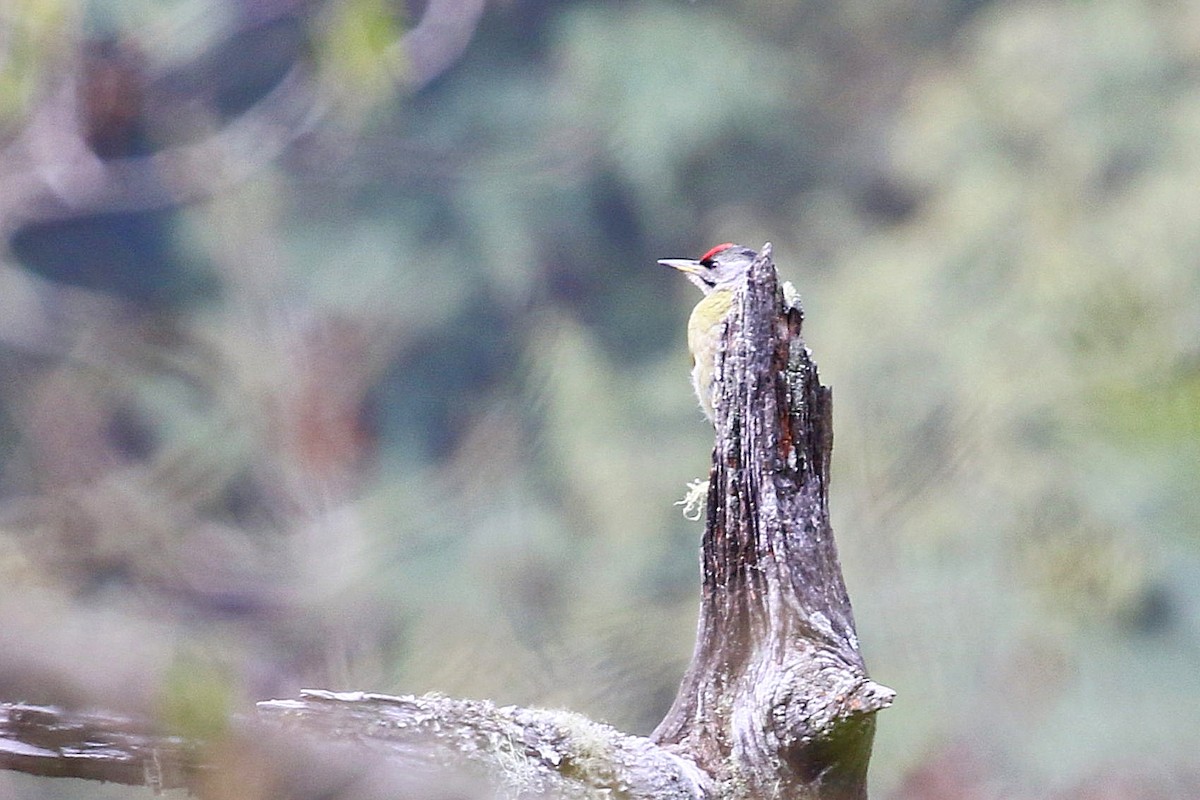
(776, 701)
(775, 704)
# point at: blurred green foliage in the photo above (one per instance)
(428, 433)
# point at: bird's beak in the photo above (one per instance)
(685, 265)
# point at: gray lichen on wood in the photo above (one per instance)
(520, 752)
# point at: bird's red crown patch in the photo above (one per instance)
(715, 250)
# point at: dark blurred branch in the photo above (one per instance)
(84, 151)
(52, 174)
(437, 41)
(776, 701)
(54, 169)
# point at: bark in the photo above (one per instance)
(775, 704)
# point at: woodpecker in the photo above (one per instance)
(717, 273)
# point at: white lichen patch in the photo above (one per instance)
(695, 500)
(791, 297)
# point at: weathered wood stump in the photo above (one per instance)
(776, 701)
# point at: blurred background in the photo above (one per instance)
(333, 353)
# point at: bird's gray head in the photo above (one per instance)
(722, 267)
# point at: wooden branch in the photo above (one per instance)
(410, 747)
(776, 701)
(47, 741)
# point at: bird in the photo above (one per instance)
(717, 273)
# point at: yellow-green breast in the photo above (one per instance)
(704, 332)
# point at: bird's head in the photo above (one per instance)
(722, 267)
